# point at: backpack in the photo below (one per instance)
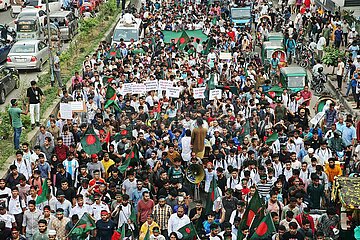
(8, 200)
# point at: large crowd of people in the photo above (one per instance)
(230, 136)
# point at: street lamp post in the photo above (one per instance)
(51, 60)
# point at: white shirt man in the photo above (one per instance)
(177, 220)
(128, 18)
(321, 43)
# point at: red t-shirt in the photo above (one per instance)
(145, 208)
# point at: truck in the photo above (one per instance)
(241, 16)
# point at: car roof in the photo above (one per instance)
(295, 71)
(33, 18)
(27, 41)
(60, 14)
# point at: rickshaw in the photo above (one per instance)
(264, 22)
(16, 7)
(320, 107)
(293, 78)
(346, 195)
(275, 36)
(267, 51)
(265, 19)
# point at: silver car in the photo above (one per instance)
(28, 54)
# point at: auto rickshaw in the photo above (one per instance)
(267, 50)
(275, 36)
(346, 195)
(281, 55)
(293, 78)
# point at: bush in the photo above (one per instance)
(331, 56)
(87, 24)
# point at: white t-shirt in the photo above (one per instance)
(340, 68)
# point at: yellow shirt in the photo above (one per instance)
(106, 165)
(144, 228)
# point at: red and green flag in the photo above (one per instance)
(210, 44)
(213, 195)
(253, 213)
(188, 231)
(183, 40)
(111, 98)
(82, 227)
(265, 229)
(43, 193)
(90, 141)
(132, 156)
(272, 138)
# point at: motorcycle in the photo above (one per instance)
(318, 81)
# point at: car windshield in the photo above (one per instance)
(240, 13)
(31, 3)
(26, 26)
(23, 48)
(26, 13)
(125, 34)
(296, 82)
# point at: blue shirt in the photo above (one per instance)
(137, 195)
(348, 134)
(207, 225)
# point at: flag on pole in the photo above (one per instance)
(82, 227)
(253, 209)
(213, 195)
(272, 138)
(43, 192)
(183, 40)
(90, 141)
(265, 229)
(188, 231)
(111, 98)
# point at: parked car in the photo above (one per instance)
(4, 4)
(28, 27)
(67, 23)
(33, 12)
(9, 80)
(28, 54)
(4, 51)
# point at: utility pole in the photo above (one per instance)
(51, 60)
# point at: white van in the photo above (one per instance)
(127, 32)
(54, 5)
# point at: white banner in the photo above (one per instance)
(173, 92)
(164, 85)
(151, 85)
(138, 88)
(215, 93)
(226, 56)
(78, 106)
(199, 92)
(66, 111)
(127, 88)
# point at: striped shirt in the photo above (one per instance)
(264, 188)
(162, 215)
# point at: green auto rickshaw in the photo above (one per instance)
(267, 50)
(293, 78)
(275, 36)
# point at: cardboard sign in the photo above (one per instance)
(226, 56)
(164, 85)
(199, 92)
(151, 85)
(173, 92)
(66, 111)
(78, 106)
(138, 88)
(215, 93)
(127, 88)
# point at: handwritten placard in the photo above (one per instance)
(138, 88)
(199, 92)
(215, 93)
(78, 106)
(66, 111)
(151, 85)
(163, 84)
(225, 56)
(173, 92)
(127, 88)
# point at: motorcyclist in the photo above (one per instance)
(315, 69)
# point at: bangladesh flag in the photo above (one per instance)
(272, 138)
(253, 210)
(210, 44)
(82, 227)
(132, 156)
(125, 133)
(111, 98)
(147, 236)
(211, 82)
(183, 40)
(265, 229)
(188, 231)
(213, 195)
(90, 141)
(43, 193)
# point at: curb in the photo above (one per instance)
(54, 108)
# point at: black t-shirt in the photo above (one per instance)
(69, 193)
(34, 95)
(297, 236)
(105, 230)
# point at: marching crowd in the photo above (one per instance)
(231, 136)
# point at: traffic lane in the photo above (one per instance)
(5, 18)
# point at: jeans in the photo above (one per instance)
(58, 78)
(35, 110)
(17, 134)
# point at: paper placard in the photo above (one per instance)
(173, 92)
(66, 111)
(199, 92)
(78, 106)
(215, 93)
(224, 55)
(164, 85)
(127, 88)
(138, 88)
(151, 85)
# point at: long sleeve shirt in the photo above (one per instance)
(30, 220)
(175, 222)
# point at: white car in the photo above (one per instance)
(4, 4)
(28, 54)
(33, 12)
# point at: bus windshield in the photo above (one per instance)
(125, 34)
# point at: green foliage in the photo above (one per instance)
(348, 15)
(5, 126)
(331, 56)
(88, 24)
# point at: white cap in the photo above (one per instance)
(52, 232)
(310, 150)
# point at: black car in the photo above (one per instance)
(9, 80)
